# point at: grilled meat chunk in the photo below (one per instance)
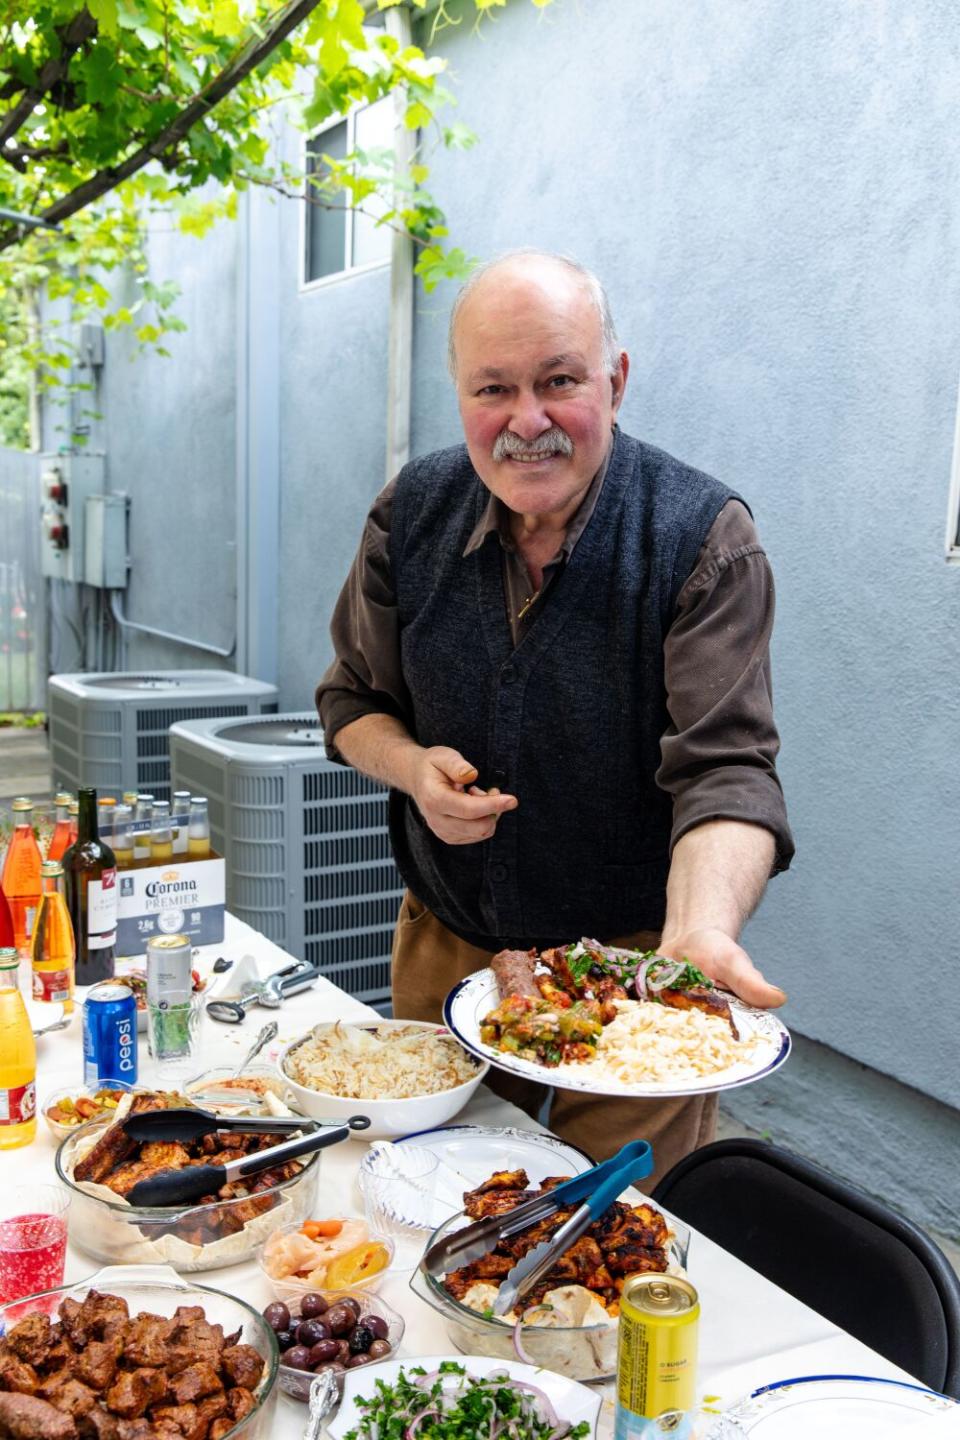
(71, 1396)
(97, 1363)
(697, 997)
(243, 1365)
(25, 1417)
(514, 970)
(31, 1338)
(18, 1375)
(195, 1382)
(133, 1391)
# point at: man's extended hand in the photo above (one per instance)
(726, 962)
(449, 801)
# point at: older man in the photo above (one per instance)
(553, 647)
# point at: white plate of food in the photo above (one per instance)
(573, 1017)
(559, 1406)
(835, 1407)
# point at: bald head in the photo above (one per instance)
(550, 277)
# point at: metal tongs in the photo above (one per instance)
(272, 992)
(597, 1188)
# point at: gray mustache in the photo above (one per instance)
(552, 440)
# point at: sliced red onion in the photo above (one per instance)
(671, 971)
(521, 1354)
(411, 1429)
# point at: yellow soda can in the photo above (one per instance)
(656, 1357)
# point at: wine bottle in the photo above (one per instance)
(90, 871)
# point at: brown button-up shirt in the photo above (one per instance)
(718, 754)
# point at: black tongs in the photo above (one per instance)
(597, 1188)
(178, 1187)
(183, 1123)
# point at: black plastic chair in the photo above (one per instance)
(835, 1248)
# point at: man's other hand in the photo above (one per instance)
(725, 962)
(448, 799)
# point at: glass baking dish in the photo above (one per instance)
(190, 1238)
(158, 1290)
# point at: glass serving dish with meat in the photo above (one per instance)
(570, 1317)
(555, 1003)
(136, 1353)
(222, 1229)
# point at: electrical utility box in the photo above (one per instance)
(66, 483)
(105, 541)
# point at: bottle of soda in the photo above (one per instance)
(21, 875)
(161, 835)
(18, 1059)
(90, 869)
(61, 839)
(198, 835)
(7, 937)
(54, 954)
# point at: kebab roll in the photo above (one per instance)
(514, 970)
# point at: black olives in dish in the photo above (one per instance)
(356, 1360)
(351, 1304)
(340, 1318)
(277, 1316)
(310, 1331)
(312, 1305)
(298, 1358)
(285, 1338)
(323, 1352)
(379, 1350)
(376, 1324)
(360, 1339)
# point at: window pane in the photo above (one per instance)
(374, 131)
(326, 230)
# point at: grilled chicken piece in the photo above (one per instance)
(712, 1002)
(503, 1180)
(154, 1157)
(115, 1145)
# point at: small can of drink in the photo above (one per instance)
(656, 1357)
(170, 1020)
(109, 1034)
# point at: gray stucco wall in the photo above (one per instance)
(769, 192)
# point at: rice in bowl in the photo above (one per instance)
(379, 1062)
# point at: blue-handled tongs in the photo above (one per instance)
(597, 1188)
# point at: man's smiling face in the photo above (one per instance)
(536, 393)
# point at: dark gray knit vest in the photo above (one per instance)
(569, 721)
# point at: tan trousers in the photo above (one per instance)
(428, 960)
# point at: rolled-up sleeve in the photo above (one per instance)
(718, 756)
(365, 677)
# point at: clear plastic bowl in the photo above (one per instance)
(217, 1095)
(291, 1287)
(579, 1352)
(223, 1234)
(297, 1382)
(158, 1290)
(80, 1092)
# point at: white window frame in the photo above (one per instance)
(335, 278)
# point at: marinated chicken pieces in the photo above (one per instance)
(627, 1239)
(97, 1374)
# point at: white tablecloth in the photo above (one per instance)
(751, 1333)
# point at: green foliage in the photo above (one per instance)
(114, 97)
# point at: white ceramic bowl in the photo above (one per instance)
(388, 1118)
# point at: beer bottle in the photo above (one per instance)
(123, 837)
(91, 875)
(61, 837)
(106, 805)
(21, 875)
(53, 956)
(161, 835)
(180, 816)
(198, 836)
(141, 840)
(18, 1060)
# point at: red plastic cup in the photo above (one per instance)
(33, 1240)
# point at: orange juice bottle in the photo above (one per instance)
(74, 822)
(21, 875)
(60, 838)
(18, 1060)
(54, 953)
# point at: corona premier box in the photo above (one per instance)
(176, 897)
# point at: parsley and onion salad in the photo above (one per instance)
(645, 970)
(450, 1404)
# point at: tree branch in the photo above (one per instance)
(80, 29)
(248, 58)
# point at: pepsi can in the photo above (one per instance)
(109, 1035)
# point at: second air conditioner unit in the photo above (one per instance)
(307, 852)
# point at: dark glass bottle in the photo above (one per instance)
(90, 872)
